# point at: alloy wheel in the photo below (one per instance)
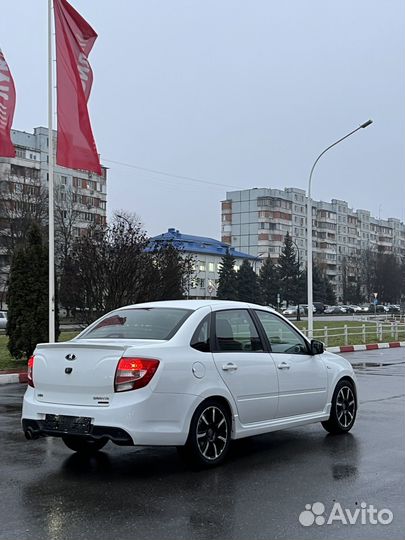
(212, 432)
(345, 406)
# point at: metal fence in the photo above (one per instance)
(376, 330)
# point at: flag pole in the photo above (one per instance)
(50, 185)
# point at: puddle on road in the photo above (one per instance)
(392, 369)
(6, 408)
(376, 364)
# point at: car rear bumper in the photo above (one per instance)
(145, 418)
(33, 429)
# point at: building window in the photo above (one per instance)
(211, 267)
(202, 266)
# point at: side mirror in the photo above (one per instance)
(316, 347)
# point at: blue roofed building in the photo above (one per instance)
(207, 253)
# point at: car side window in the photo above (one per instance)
(235, 331)
(283, 338)
(201, 337)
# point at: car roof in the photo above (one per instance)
(196, 304)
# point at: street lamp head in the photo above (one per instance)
(366, 124)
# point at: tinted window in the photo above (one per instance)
(235, 331)
(139, 323)
(283, 338)
(201, 337)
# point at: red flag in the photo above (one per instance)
(7, 106)
(76, 147)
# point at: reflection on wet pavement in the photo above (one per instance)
(147, 493)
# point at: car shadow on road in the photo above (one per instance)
(275, 451)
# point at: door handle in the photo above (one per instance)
(229, 367)
(283, 365)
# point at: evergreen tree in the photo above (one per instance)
(289, 272)
(269, 283)
(170, 275)
(302, 288)
(321, 285)
(28, 297)
(247, 284)
(70, 294)
(319, 281)
(330, 296)
(387, 282)
(227, 285)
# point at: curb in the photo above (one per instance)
(10, 377)
(369, 347)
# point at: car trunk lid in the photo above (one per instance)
(76, 374)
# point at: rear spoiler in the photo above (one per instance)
(76, 345)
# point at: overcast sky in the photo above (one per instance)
(240, 93)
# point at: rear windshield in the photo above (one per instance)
(139, 323)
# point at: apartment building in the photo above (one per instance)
(256, 221)
(80, 196)
(207, 254)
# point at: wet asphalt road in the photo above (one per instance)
(48, 492)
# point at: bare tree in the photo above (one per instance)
(114, 266)
(66, 219)
(106, 268)
(23, 200)
(367, 271)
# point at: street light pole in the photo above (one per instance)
(119, 216)
(258, 258)
(309, 229)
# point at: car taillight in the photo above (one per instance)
(133, 373)
(29, 371)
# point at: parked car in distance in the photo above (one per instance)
(305, 306)
(364, 308)
(394, 308)
(355, 308)
(3, 320)
(377, 308)
(194, 374)
(348, 309)
(292, 310)
(335, 310)
(319, 307)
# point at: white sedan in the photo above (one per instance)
(292, 310)
(193, 374)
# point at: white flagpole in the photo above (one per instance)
(50, 185)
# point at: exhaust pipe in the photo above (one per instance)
(31, 434)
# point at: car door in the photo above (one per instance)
(245, 365)
(302, 377)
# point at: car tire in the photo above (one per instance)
(209, 436)
(343, 409)
(82, 445)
